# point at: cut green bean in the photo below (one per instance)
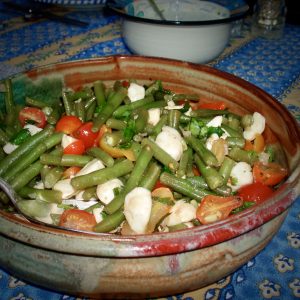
(232, 132)
(211, 175)
(89, 193)
(9, 101)
(116, 124)
(99, 90)
(52, 176)
(51, 196)
(68, 104)
(158, 127)
(174, 118)
(183, 187)
(35, 102)
(226, 168)
(199, 113)
(112, 104)
(121, 110)
(161, 155)
(135, 177)
(27, 146)
(235, 142)
(97, 177)
(238, 154)
(89, 114)
(31, 156)
(206, 155)
(183, 163)
(151, 176)
(103, 156)
(79, 109)
(26, 176)
(110, 222)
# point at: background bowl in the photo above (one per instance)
(195, 31)
(160, 264)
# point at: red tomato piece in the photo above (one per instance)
(256, 192)
(76, 147)
(77, 219)
(215, 208)
(85, 134)
(68, 124)
(269, 174)
(216, 105)
(32, 114)
(71, 171)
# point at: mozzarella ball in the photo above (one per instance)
(136, 92)
(105, 191)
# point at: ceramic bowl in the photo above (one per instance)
(194, 31)
(111, 266)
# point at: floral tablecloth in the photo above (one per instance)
(273, 65)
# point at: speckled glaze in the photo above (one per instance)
(110, 266)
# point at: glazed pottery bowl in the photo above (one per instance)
(191, 30)
(112, 266)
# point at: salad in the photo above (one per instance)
(135, 159)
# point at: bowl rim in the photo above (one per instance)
(171, 242)
(235, 16)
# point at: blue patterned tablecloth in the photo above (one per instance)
(273, 65)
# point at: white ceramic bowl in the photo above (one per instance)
(193, 30)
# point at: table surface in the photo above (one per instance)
(273, 65)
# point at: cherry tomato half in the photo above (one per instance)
(269, 174)
(77, 219)
(215, 208)
(85, 134)
(32, 114)
(256, 192)
(76, 147)
(68, 124)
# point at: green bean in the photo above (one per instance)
(27, 146)
(89, 193)
(4, 198)
(190, 97)
(89, 102)
(234, 122)
(200, 182)
(155, 104)
(9, 101)
(92, 207)
(208, 113)
(235, 142)
(90, 111)
(52, 176)
(3, 137)
(51, 196)
(35, 102)
(226, 168)
(20, 136)
(103, 175)
(206, 155)
(66, 160)
(161, 155)
(54, 115)
(211, 175)
(110, 222)
(99, 90)
(183, 187)
(190, 163)
(158, 127)
(29, 157)
(141, 118)
(116, 124)
(183, 164)
(112, 104)
(232, 132)
(150, 176)
(100, 154)
(119, 112)
(184, 119)
(174, 118)
(238, 154)
(83, 94)
(68, 105)
(135, 177)
(26, 176)
(79, 109)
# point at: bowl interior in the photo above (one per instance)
(183, 10)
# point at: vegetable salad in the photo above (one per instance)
(135, 159)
